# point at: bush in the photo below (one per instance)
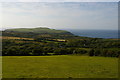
(91, 52)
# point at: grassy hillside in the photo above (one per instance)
(59, 67)
(39, 33)
(40, 30)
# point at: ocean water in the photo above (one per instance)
(96, 33)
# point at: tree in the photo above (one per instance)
(13, 51)
(37, 51)
(91, 52)
(97, 52)
(80, 51)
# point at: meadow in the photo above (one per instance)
(0, 67)
(59, 66)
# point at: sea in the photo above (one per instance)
(96, 33)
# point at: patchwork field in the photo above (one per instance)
(17, 38)
(59, 67)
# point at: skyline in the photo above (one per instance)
(60, 15)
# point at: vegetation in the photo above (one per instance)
(39, 30)
(36, 32)
(49, 53)
(63, 66)
(32, 47)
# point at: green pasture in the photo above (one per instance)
(63, 66)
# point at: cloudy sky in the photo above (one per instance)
(60, 15)
(59, 0)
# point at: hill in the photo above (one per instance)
(38, 32)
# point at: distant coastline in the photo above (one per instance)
(95, 33)
(107, 34)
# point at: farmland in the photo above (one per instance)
(48, 53)
(16, 38)
(60, 66)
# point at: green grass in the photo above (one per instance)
(59, 67)
(0, 67)
(38, 30)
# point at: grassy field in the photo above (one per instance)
(0, 67)
(59, 67)
(17, 38)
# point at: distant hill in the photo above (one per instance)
(40, 30)
(37, 32)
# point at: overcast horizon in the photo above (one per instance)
(60, 15)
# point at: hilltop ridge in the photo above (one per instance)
(38, 32)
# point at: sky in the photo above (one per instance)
(59, 15)
(59, 0)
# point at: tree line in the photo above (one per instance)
(91, 47)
